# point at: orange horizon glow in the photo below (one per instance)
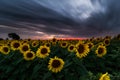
(50, 38)
(72, 38)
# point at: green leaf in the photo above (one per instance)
(67, 64)
(83, 78)
(36, 69)
(70, 76)
(16, 62)
(9, 69)
(47, 75)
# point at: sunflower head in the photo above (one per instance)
(29, 40)
(107, 42)
(15, 45)
(48, 44)
(71, 48)
(55, 64)
(24, 41)
(101, 51)
(105, 77)
(35, 43)
(43, 51)
(107, 37)
(80, 42)
(24, 48)
(5, 50)
(91, 39)
(64, 44)
(54, 40)
(82, 50)
(98, 39)
(90, 45)
(29, 55)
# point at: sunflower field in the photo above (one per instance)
(57, 59)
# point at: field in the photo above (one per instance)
(57, 59)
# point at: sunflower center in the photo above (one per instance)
(100, 50)
(107, 42)
(81, 48)
(54, 40)
(47, 45)
(16, 45)
(56, 63)
(44, 51)
(25, 42)
(90, 45)
(63, 44)
(34, 44)
(71, 47)
(29, 39)
(29, 55)
(5, 49)
(98, 39)
(91, 39)
(25, 48)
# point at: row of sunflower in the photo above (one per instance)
(51, 56)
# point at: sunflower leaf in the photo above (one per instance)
(37, 68)
(47, 75)
(67, 64)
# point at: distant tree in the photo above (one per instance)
(118, 36)
(1, 39)
(14, 36)
(7, 39)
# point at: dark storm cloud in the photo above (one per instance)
(42, 17)
(108, 22)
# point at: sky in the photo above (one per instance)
(38, 19)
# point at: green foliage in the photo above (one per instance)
(13, 66)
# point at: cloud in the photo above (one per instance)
(73, 18)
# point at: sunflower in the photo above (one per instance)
(90, 45)
(35, 43)
(29, 55)
(82, 50)
(5, 49)
(64, 44)
(101, 43)
(80, 42)
(56, 64)
(48, 44)
(43, 51)
(108, 37)
(24, 41)
(98, 39)
(101, 51)
(8, 42)
(54, 41)
(118, 36)
(92, 39)
(1, 45)
(71, 48)
(107, 42)
(15, 45)
(25, 47)
(28, 39)
(105, 77)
